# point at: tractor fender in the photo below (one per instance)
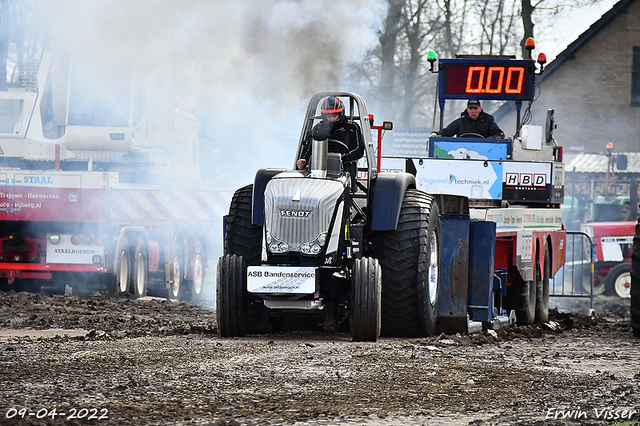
(263, 176)
(386, 199)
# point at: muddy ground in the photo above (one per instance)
(157, 362)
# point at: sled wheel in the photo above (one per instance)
(521, 297)
(410, 259)
(230, 296)
(618, 281)
(366, 289)
(542, 288)
(140, 271)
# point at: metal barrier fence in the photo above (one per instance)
(575, 278)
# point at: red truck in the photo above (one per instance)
(613, 243)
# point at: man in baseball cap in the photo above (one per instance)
(473, 122)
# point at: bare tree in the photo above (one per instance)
(388, 42)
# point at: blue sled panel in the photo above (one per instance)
(482, 242)
(452, 302)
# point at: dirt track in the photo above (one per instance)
(156, 362)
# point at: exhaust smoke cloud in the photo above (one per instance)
(245, 68)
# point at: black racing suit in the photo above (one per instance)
(484, 125)
(347, 133)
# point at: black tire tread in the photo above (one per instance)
(366, 300)
(521, 296)
(241, 236)
(230, 296)
(402, 254)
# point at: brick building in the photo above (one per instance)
(593, 86)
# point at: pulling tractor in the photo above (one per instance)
(303, 242)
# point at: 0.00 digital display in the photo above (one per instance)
(485, 79)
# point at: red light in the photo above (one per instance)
(98, 240)
(542, 58)
(86, 240)
(75, 240)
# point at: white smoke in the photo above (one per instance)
(244, 67)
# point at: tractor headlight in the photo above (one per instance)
(314, 247)
(275, 246)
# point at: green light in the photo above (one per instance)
(431, 56)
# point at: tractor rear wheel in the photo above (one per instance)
(410, 258)
(366, 289)
(230, 296)
(617, 281)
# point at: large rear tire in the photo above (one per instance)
(617, 281)
(366, 291)
(410, 258)
(230, 296)
(245, 239)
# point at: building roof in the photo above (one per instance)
(569, 53)
(598, 163)
(618, 9)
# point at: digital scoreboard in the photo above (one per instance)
(498, 79)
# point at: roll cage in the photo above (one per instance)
(356, 112)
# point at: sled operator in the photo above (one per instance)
(335, 126)
(473, 121)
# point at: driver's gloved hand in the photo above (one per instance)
(433, 134)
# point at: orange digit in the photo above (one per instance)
(478, 87)
(518, 89)
(498, 87)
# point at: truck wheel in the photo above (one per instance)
(635, 283)
(521, 297)
(366, 290)
(618, 281)
(140, 271)
(176, 284)
(599, 286)
(231, 301)
(241, 236)
(123, 268)
(542, 289)
(195, 286)
(410, 258)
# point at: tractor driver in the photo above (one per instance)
(335, 126)
(472, 122)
